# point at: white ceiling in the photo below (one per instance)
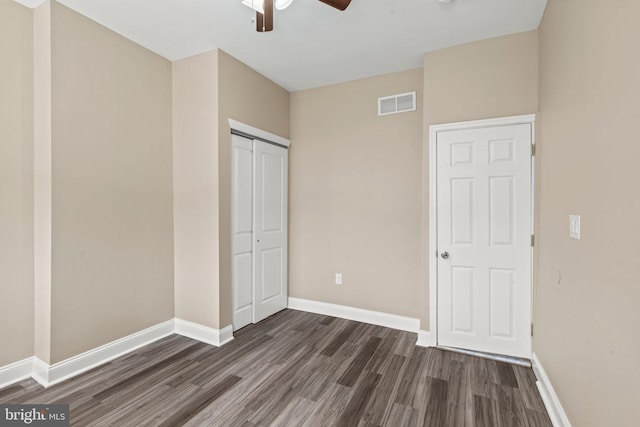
(313, 44)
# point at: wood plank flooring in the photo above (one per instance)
(297, 369)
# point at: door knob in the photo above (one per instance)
(445, 255)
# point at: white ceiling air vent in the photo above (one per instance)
(397, 103)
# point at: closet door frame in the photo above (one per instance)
(255, 134)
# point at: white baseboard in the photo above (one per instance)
(425, 339)
(40, 372)
(549, 397)
(83, 362)
(48, 375)
(211, 336)
(392, 321)
(15, 372)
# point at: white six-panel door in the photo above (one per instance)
(259, 203)
(484, 239)
(270, 229)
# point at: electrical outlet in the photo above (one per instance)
(338, 278)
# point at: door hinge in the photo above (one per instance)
(533, 149)
(533, 240)
(532, 329)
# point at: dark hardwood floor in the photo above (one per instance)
(297, 369)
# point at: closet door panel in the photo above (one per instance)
(242, 231)
(270, 229)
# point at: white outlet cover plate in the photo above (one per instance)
(574, 227)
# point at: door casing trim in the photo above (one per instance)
(432, 258)
(251, 132)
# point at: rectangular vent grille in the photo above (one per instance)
(397, 103)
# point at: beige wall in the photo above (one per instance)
(250, 98)
(195, 188)
(491, 78)
(355, 196)
(16, 182)
(587, 325)
(112, 271)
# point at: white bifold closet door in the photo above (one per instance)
(259, 229)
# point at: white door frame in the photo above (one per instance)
(255, 133)
(433, 203)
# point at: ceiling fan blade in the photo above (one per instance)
(338, 4)
(264, 22)
(259, 22)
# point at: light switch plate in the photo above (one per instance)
(574, 226)
(338, 278)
